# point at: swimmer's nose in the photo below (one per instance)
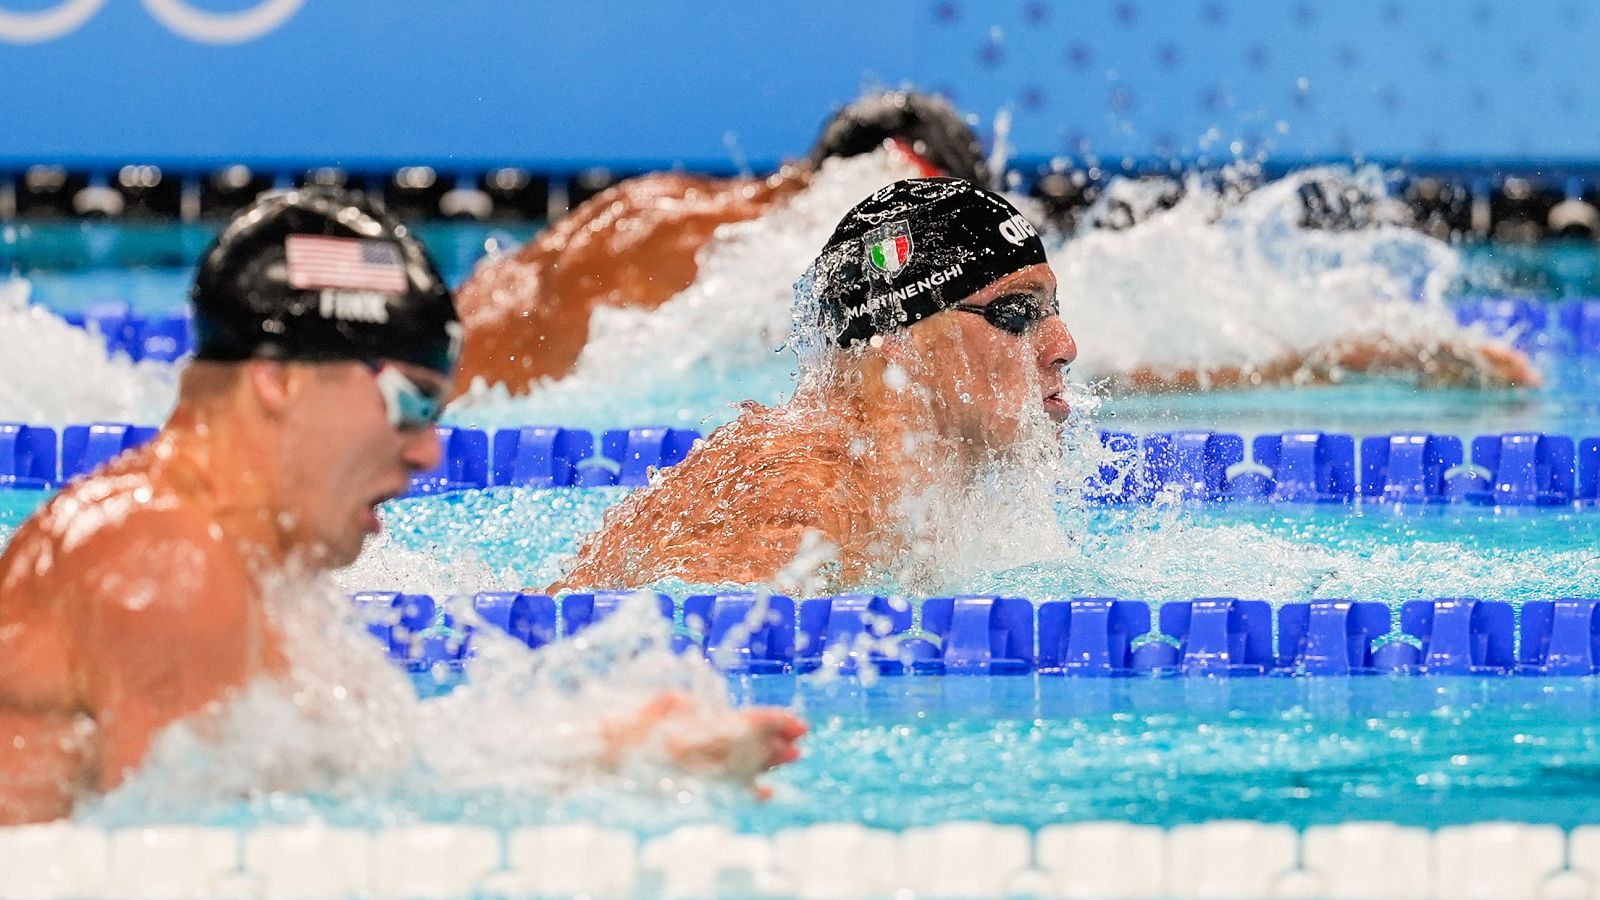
(1054, 343)
(421, 451)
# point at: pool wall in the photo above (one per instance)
(1234, 859)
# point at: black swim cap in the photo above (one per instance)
(322, 274)
(915, 248)
(927, 124)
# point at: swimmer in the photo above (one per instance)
(945, 354)
(326, 341)
(635, 244)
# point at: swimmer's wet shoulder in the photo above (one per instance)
(134, 598)
(123, 609)
(732, 512)
(947, 356)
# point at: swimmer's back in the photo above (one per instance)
(106, 595)
(633, 244)
(708, 520)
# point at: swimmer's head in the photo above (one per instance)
(951, 283)
(321, 275)
(915, 248)
(924, 124)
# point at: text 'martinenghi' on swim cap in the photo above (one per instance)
(915, 248)
(322, 274)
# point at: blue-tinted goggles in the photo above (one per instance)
(409, 405)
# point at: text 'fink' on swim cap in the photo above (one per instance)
(322, 274)
(915, 248)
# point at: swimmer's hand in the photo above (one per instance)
(1504, 364)
(738, 745)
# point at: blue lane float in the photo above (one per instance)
(28, 457)
(1408, 468)
(744, 634)
(1089, 635)
(853, 628)
(539, 456)
(1519, 469)
(530, 619)
(1461, 636)
(1331, 637)
(1560, 637)
(1212, 637)
(1220, 635)
(979, 635)
(163, 337)
(85, 448)
(1524, 470)
(463, 464)
(1307, 466)
(1580, 321)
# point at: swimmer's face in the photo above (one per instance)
(984, 379)
(344, 458)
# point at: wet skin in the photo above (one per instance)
(741, 507)
(133, 598)
(634, 244)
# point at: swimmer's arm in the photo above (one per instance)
(165, 632)
(737, 745)
(1449, 363)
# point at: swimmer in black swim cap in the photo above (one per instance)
(921, 246)
(941, 357)
(924, 124)
(322, 275)
(164, 583)
(638, 244)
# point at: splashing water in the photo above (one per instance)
(57, 374)
(716, 343)
(1222, 278)
(345, 735)
(1219, 281)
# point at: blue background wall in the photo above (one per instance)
(719, 84)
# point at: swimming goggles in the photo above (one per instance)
(1011, 313)
(409, 405)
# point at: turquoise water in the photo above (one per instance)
(1280, 552)
(1038, 750)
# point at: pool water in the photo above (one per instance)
(1030, 750)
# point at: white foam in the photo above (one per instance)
(1216, 281)
(57, 374)
(1223, 278)
(714, 344)
(524, 733)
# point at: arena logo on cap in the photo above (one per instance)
(179, 16)
(889, 248)
(1017, 229)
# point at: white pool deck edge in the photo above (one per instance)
(1223, 859)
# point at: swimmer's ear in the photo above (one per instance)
(273, 385)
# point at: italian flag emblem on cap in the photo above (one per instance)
(889, 247)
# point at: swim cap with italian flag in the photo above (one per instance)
(915, 248)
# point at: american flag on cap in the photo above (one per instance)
(349, 264)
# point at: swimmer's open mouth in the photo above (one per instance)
(1056, 405)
